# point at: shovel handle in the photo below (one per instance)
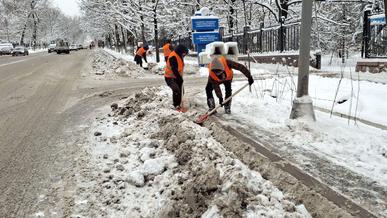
(227, 99)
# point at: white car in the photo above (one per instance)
(51, 48)
(73, 47)
(6, 48)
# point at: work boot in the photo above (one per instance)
(211, 104)
(227, 107)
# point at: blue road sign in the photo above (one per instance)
(205, 23)
(378, 19)
(203, 38)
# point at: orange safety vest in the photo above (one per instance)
(166, 50)
(168, 69)
(229, 72)
(141, 52)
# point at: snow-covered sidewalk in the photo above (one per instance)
(147, 160)
(358, 148)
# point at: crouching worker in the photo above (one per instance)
(174, 74)
(220, 72)
(141, 54)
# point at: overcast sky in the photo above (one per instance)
(69, 7)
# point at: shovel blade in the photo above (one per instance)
(201, 119)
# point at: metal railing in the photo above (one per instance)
(259, 40)
(267, 39)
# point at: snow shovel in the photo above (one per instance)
(184, 105)
(202, 118)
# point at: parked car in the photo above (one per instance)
(51, 48)
(6, 48)
(62, 47)
(80, 47)
(73, 47)
(20, 50)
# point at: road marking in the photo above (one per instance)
(15, 62)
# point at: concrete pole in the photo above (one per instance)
(303, 105)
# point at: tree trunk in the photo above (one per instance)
(231, 18)
(123, 42)
(142, 28)
(385, 8)
(23, 34)
(117, 34)
(244, 12)
(34, 33)
(156, 36)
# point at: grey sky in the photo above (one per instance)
(69, 7)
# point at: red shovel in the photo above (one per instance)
(202, 118)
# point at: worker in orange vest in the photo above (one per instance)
(174, 74)
(221, 72)
(141, 54)
(167, 50)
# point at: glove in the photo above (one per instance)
(251, 80)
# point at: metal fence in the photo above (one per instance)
(267, 39)
(259, 40)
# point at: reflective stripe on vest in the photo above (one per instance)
(166, 50)
(229, 72)
(141, 52)
(168, 69)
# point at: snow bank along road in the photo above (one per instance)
(41, 95)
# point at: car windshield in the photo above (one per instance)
(19, 48)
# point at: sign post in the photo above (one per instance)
(205, 29)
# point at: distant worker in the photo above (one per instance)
(220, 72)
(167, 49)
(174, 74)
(141, 54)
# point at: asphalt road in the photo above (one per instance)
(42, 96)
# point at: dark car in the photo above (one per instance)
(62, 47)
(20, 50)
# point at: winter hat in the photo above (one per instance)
(217, 65)
(181, 49)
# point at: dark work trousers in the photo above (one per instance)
(138, 60)
(211, 87)
(176, 90)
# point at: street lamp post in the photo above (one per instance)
(303, 105)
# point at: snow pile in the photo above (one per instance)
(107, 66)
(360, 148)
(151, 161)
(32, 51)
(352, 158)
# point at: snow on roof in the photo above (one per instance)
(204, 17)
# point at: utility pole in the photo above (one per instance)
(303, 104)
